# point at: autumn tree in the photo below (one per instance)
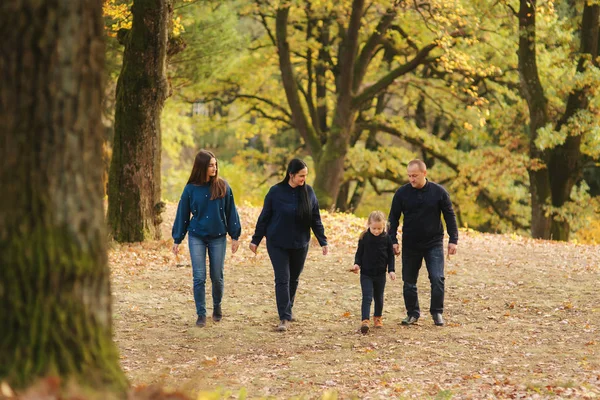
(330, 57)
(134, 191)
(563, 129)
(54, 278)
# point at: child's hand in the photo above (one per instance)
(393, 276)
(355, 269)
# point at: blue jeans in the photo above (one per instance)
(372, 289)
(216, 255)
(411, 264)
(287, 266)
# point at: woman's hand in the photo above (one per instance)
(175, 249)
(235, 244)
(325, 250)
(253, 247)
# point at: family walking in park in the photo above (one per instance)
(207, 213)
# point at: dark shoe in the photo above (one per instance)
(437, 319)
(283, 325)
(410, 320)
(217, 314)
(201, 321)
(364, 327)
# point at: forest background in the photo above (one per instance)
(452, 83)
(500, 98)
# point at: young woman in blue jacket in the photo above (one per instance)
(289, 212)
(210, 202)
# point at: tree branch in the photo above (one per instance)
(454, 166)
(290, 85)
(368, 50)
(370, 92)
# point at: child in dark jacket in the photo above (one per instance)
(375, 255)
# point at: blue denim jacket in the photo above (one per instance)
(210, 218)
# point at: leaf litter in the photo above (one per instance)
(521, 322)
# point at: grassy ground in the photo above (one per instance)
(522, 322)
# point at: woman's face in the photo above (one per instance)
(299, 178)
(212, 168)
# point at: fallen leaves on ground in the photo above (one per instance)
(521, 322)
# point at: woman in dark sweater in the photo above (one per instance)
(210, 201)
(375, 255)
(289, 212)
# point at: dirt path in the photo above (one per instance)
(522, 322)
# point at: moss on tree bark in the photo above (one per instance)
(55, 302)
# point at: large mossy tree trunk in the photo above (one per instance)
(134, 204)
(55, 300)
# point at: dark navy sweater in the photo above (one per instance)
(278, 221)
(374, 254)
(210, 218)
(422, 208)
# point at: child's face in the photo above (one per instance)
(377, 227)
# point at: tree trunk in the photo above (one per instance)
(330, 166)
(533, 92)
(134, 204)
(55, 299)
(566, 161)
(341, 203)
(357, 196)
(552, 182)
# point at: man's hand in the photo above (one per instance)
(325, 250)
(355, 269)
(253, 247)
(235, 244)
(175, 249)
(393, 276)
(451, 249)
(396, 249)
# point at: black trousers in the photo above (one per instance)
(287, 266)
(372, 289)
(412, 259)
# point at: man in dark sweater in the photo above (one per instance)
(422, 203)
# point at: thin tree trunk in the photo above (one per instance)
(55, 299)
(533, 92)
(134, 204)
(565, 165)
(341, 203)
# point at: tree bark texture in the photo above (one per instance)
(55, 299)
(565, 165)
(554, 171)
(533, 92)
(134, 197)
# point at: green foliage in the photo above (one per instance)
(461, 112)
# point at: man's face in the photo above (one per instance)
(416, 177)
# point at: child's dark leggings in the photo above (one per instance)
(372, 289)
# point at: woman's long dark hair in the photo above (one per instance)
(200, 174)
(304, 211)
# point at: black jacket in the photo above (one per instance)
(374, 254)
(422, 208)
(278, 221)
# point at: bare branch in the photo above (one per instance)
(388, 79)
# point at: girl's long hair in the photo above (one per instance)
(375, 216)
(304, 211)
(200, 174)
